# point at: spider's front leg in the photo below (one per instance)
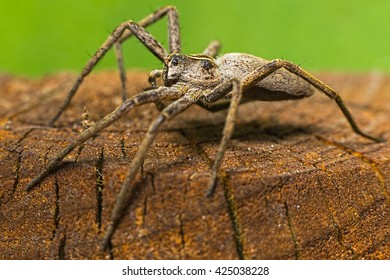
(140, 99)
(173, 26)
(127, 188)
(173, 38)
(121, 33)
(234, 88)
(265, 70)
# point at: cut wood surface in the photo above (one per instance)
(296, 182)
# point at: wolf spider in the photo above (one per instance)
(202, 79)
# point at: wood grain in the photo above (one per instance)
(296, 182)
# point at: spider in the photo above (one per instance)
(214, 83)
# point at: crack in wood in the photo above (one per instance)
(151, 176)
(18, 165)
(293, 234)
(181, 225)
(79, 150)
(182, 235)
(56, 214)
(335, 223)
(123, 148)
(366, 160)
(145, 209)
(110, 250)
(61, 248)
(99, 189)
(27, 133)
(377, 172)
(374, 246)
(233, 213)
(17, 171)
(228, 193)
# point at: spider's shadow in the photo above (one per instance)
(277, 130)
(266, 128)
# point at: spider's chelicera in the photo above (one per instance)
(214, 83)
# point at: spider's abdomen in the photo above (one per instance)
(279, 85)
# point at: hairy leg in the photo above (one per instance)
(134, 29)
(272, 66)
(140, 99)
(173, 38)
(121, 68)
(236, 94)
(128, 185)
(173, 26)
(213, 49)
(212, 102)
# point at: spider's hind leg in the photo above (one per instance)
(213, 49)
(265, 70)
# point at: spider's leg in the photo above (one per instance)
(272, 66)
(140, 99)
(236, 93)
(212, 101)
(213, 49)
(173, 37)
(173, 26)
(146, 39)
(128, 187)
(121, 68)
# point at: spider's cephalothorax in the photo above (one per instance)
(198, 70)
(205, 80)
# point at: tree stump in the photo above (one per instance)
(296, 182)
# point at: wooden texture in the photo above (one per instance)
(296, 183)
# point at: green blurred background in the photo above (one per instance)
(44, 36)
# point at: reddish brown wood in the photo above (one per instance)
(296, 182)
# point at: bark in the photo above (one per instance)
(296, 182)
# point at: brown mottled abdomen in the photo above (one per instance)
(280, 85)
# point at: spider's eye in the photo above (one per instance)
(207, 65)
(175, 61)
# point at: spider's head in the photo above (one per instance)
(195, 69)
